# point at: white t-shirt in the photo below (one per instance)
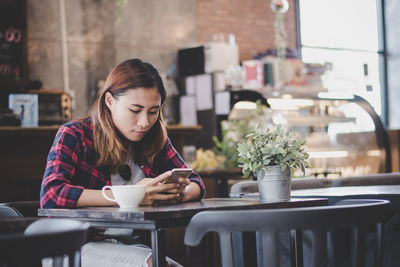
(136, 175)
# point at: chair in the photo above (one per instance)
(243, 187)
(357, 215)
(19, 209)
(7, 211)
(43, 238)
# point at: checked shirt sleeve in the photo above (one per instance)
(57, 190)
(169, 158)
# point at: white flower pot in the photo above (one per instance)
(274, 185)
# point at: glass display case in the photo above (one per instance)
(345, 136)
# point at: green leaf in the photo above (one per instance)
(272, 147)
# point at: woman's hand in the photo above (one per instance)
(157, 191)
(180, 190)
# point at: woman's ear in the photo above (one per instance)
(109, 99)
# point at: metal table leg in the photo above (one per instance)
(158, 248)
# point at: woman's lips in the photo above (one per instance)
(140, 132)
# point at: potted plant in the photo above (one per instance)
(271, 155)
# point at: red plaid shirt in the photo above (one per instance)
(71, 166)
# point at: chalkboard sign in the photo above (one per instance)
(13, 52)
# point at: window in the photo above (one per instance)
(345, 34)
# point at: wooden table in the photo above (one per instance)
(158, 218)
(334, 194)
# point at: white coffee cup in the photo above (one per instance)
(127, 196)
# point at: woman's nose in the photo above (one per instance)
(143, 121)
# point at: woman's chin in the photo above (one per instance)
(134, 138)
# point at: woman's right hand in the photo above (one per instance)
(154, 187)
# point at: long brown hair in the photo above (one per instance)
(109, 143)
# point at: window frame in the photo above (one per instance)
(382, 53)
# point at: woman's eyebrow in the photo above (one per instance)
(140, 106)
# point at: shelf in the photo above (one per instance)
(28, 131)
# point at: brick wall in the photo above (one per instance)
(251, 21)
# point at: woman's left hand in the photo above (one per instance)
(181, 190)
(187, 191)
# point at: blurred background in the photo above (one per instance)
(325, 69)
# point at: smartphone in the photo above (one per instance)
(178, 173)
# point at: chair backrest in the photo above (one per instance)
(7, 211)
(42, 239)
(243, 187)
(354, 214)
(19, 209)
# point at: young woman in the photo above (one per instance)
(123, 141)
